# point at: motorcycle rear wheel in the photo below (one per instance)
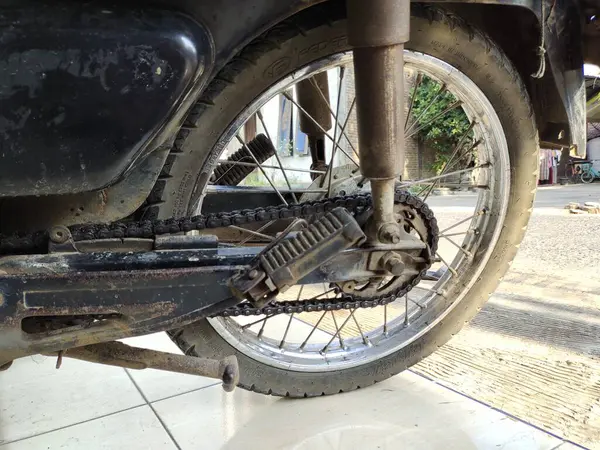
(306, 39)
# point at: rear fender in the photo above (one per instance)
(558, 98)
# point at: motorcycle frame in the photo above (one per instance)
(184, 293)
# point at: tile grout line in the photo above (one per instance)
(72, 425)
(169, 397)
(507, 414)
(162, 423)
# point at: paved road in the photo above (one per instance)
(534, 350)
(547, 197)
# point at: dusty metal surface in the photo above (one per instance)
(107, 205)
(122, 355)
(284, 263)
(377, 32)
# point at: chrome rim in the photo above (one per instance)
(327, 341)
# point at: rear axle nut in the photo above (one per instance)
(393, 263)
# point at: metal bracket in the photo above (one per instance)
(122, 355)
(61, 240)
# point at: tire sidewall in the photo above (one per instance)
(438, 35)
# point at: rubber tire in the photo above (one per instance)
(309, 36)
(587, 177)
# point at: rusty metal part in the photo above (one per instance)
(79, 301)
(182, 242)
(282, 265)
(116, 245)
(59, 234)
(122, 355)
(313, 98)
(379, 79)
(378, 23)
(313, 102)
(60, 240)
(377, 30)
(392, 262)
(416, 216)
(383, 227)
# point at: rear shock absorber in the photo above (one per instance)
(234, 173)
(315, 117)
(377, 31)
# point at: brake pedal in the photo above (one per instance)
(282, 264)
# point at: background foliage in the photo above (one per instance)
(444, 133)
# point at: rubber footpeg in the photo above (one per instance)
(282, 264)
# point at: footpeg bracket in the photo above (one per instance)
(280, 266)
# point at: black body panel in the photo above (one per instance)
(85, 91)
(68, 138)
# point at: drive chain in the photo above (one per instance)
(37, 242)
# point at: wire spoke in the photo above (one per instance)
(406, 321)
(287, 329)
(248, 325)
(335, 138)
(262, 121)
(425, 180)
(415, 302)
(413, 97)
(441, 90)
(312, 119)
(452, 271)
(265, 166)
(239, 138)
(330, 168)
(460, 233)
(385, 326)
(266, 225)
(338, 331)
(313, 330)
(255, 233)
(466, 252)
(229, 169)
(432, 291)
(335, 116)
(262, 328)
(448, 164)
(362, 335)
(453, 106)
(463, 153)
(460, 222)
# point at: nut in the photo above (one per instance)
(393, 263)
(389, 233)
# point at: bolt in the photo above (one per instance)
(393, 264)
(390, 233)
(253, 274)
(59, 234)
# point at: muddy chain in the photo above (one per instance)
(357, 204)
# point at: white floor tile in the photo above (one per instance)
(568, 446)
(208, 418)
(406, 409)
(36, 398)
(128, 430)
(159, 384)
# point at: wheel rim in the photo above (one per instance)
(411, 317)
